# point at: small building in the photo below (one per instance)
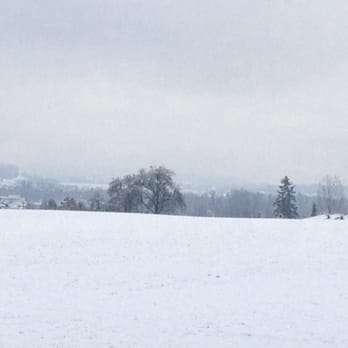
(12, 202)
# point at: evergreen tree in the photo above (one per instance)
(285, 203)
(51, 204)
(314, 210)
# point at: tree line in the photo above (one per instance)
(155, 191)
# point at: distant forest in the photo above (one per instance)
(141, 192)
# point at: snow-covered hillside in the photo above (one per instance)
(75, 279)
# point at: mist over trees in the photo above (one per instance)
(155, 191)
(8, 171)
(235, 203)
(240, 203)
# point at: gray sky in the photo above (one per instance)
(249, 89)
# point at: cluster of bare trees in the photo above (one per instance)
(151, 190)
(331, 196)
(68, 203)
(235, 203)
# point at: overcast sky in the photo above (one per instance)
(250, 89)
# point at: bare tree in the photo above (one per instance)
(151, 190)
(125, 194)
(95, 202)
(331, 195)
(160, 194)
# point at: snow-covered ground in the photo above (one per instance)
(71, 279)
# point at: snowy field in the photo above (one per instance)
(74, 279)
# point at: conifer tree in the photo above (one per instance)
(314, 209)
(285, 202)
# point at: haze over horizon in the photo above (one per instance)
(253, 90)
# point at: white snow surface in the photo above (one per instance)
(77, 279)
